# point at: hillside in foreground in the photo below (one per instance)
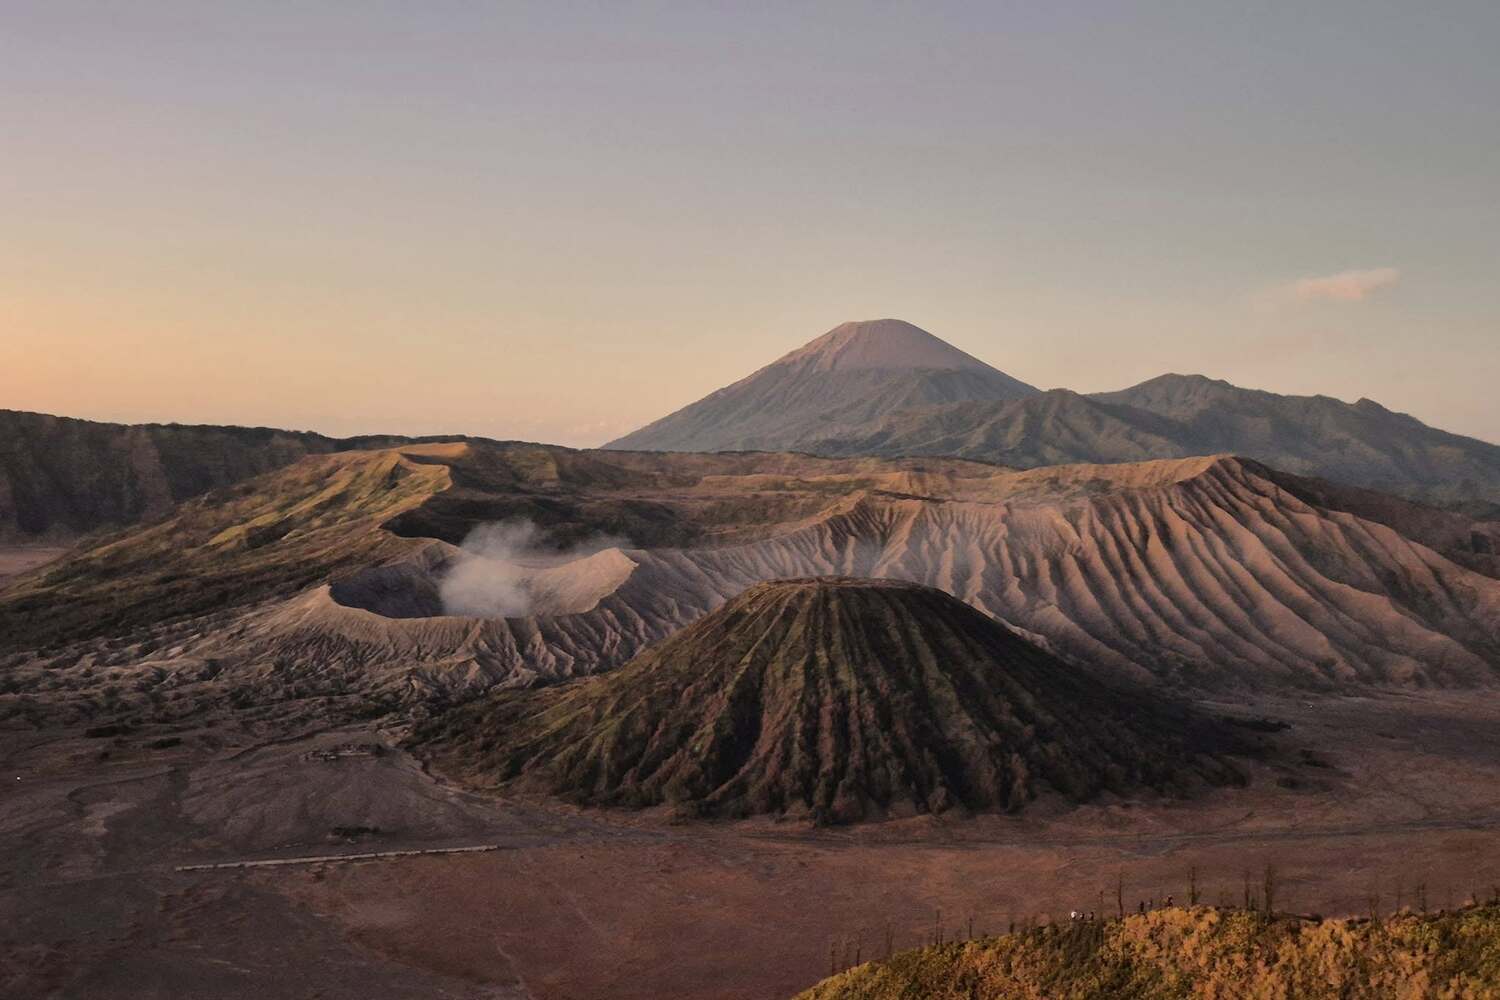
(1199, 953)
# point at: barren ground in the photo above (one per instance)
(1400, 796)
(17, 559)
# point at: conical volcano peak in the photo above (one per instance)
(836, 699)
(841, 383)
(881, 344)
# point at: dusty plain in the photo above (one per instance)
(18, 559)
(1391, 794)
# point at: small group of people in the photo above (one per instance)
(1080, 915)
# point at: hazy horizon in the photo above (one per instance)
(376, 429)
(560, 222)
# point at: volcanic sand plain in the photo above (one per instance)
(18, 559)
(1384, 792)
(1388, 794)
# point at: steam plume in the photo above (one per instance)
(491, 577)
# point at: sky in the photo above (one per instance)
(559, 221)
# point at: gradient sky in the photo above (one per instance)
(558, 221)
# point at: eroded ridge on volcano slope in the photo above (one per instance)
(836, 699)
(324, 578)
(1207, 572)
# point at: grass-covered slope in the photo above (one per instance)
(836, 699)
(267, 537)
(1199, 953)
(61, 477)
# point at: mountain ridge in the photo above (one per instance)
(1364, 443)
(61, 477)
(1205, 574)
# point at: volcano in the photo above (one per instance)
(841, 383)
(888, 388)
(838, 700)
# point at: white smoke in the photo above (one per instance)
(491, 576)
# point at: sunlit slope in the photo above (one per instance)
(268, 537)
(61, 477)
(1200, 953)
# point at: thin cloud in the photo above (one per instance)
(1346, 286)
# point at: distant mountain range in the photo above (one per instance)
(881, 388)
(887, 388)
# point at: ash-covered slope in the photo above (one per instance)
(61, 477)
(1206, 572)
(1209, 574)
(841, 382)
(834, 698)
